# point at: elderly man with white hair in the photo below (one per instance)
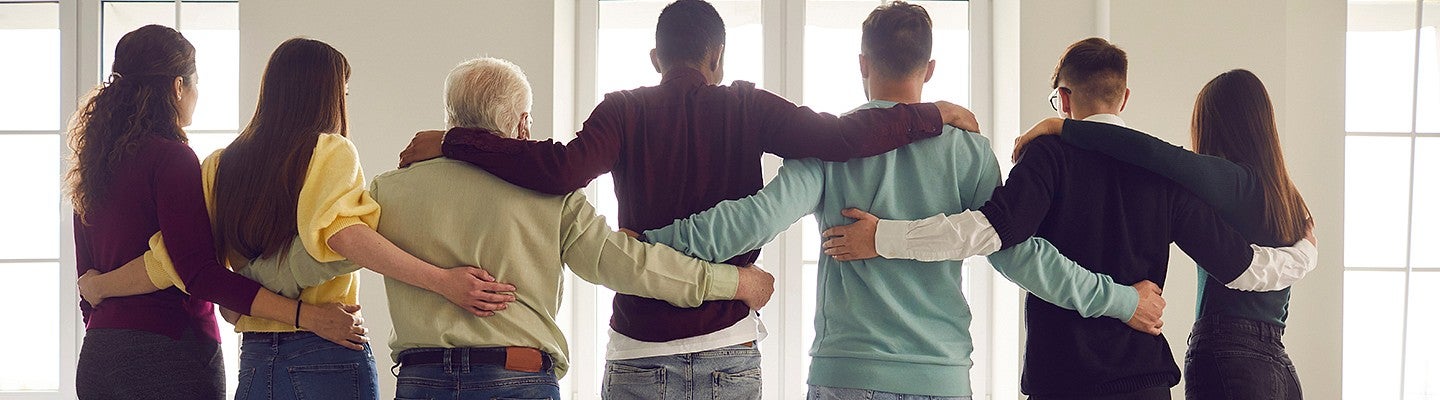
(522, 238)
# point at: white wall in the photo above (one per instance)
(399, 53)
(1296, 46)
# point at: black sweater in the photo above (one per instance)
(1115, 219)
(1233, 189)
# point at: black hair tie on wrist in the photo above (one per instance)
(298, 303)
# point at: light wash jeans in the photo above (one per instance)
(726, 373)
(834, 393)
(301, 365)
(464, 381)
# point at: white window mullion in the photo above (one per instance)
(1410, 212)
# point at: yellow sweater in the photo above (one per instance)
(332, 198)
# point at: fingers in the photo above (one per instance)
(483, 275)
(350, 308)
(629, 233)
(841, 230)
(495, 298)
(857, 214)
(495, 287)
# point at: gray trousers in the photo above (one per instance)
(135, 364)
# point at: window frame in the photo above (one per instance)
(1414, 134)
(80, 23)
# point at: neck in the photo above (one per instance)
(904, 91)
(1079, 112)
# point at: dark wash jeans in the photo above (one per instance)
(301, 365)
(459, 380)
(1234, 358)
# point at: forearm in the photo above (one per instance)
(1216, 180)
(362, 245)
(938, 238)
(734, 227)
(595, 253)
(1038, 266)
(129, 280)
(1277, 268)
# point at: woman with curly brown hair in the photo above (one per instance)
(133, 175)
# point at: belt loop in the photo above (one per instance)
(464, 360)
(448, 364)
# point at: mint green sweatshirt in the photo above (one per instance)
(898, 326)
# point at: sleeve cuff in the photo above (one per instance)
(890, 238)
(928, 121)
(322, 251)
(723, 282)
(159, 268)
(1123, 304)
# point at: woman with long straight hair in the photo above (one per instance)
(132, 176)
(291, 210)
(1237, 167)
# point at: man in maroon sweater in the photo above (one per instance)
(677, 149)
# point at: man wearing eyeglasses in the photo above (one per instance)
(1109, 216)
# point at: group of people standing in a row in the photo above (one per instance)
(275, 227)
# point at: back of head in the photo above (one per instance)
(302, 95)
(487, 93)
(897, 38)
(687, 31)
(137, 102)
(1094, 70)
(1235, 120)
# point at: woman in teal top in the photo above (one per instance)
(1237, 167)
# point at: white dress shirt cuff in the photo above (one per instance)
(937, 238)
(1277, 268)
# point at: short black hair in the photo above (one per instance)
(897, 38)
(687, 30)
(1095, 67)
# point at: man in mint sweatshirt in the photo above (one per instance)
(886, 328)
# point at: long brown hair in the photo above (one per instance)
(1235, 120)
(257, 186)
(137, 102)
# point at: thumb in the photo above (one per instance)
(855, 213)
(350, 308)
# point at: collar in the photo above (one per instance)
(684, 76)
(1111, 119)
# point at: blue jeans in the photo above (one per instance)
(461, 380)
(1234, 358)
(834, 393)
(300, 365)
(726, 373)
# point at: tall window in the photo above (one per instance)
(213, 27)
(831, 83)
(30, 140)
(1392, 182)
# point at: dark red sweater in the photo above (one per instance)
(158, 188)
(679, 148)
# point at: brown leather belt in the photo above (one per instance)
(523, 359)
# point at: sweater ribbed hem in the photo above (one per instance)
(1118, 386)
(891, 376)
